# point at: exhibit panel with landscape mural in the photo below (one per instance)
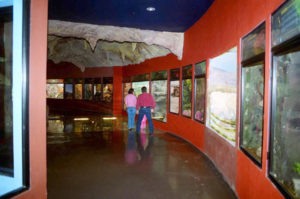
(159, 91)
(55, 88)
(221, 109)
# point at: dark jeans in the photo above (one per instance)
(142, 112)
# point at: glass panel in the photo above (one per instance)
(55, 91)
(254, 43)
(126, 87)
(159, 91)
(97, 92)
(6, 115)
(187, 97)
(13, 97)
(140, 78)
(285, 156)
(68, 91)
(174, 96)
(252, 111)
(88, 91)
(78, 91)
(200, 99)
(175, 74)
(107, 92)
(222, 82)
(187, 72)
(160, 75)
(286, 22)
(137, 86)
(200, 68)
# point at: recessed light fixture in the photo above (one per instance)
(109, 118)
(150, 9)
(82, 119)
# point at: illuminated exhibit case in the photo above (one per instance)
(159, 89)
(284, 149)
(174, 91)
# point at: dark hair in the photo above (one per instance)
(130, 91)
(144, 89)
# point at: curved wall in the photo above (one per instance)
(220, 29)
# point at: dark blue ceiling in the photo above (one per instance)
(170, 15)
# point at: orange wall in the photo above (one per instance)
(220, 29)
(37, 100)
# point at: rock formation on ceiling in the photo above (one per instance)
(79, 52)
(88, 45)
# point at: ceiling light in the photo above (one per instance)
(82, 119)
(109, 118)
(150, 9)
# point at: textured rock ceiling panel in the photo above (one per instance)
(88, 45)
(79, 52)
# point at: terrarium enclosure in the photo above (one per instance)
(186, 101)
(159, 91)
(174, 92)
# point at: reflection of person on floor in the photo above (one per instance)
(145, 106)
(144, 148)
(143, 124)
(131, 153)
(130, 102)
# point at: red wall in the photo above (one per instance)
(69, 70)
(220, 29)
(37, 100)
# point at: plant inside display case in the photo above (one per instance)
(186, 101)
(286, 122)
(296, 180)
(187, 97)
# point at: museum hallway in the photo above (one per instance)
(93, 156)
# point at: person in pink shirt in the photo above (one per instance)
(145, 106)
(130, 102)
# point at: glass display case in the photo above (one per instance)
(200, 91)
(126, 87)
(88, 89)
(68, 92)
(174, 92)
(253, 54)
(159, 91)
(14, 86)
(55, 88)
(186, 101)
(222, 84)
(285, 109)
(138, 81)
(97, 89)
(108, 89)
(78, 88)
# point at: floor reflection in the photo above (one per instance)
(92, 157)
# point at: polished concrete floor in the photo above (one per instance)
(96, 157)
